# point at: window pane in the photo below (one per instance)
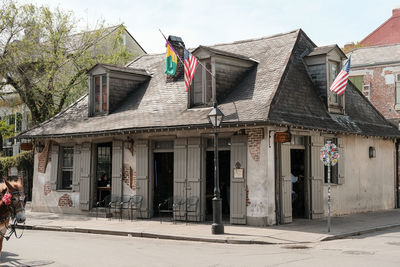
(104, 92)
(66, 179)
(103, 161)
(97, 93)
(68, 157)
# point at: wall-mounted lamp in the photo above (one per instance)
(372, 152)
(39, 146)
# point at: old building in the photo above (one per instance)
(142, 133)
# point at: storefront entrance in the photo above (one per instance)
(297, 169)
(163, 185)
(103, 170)
(224, 182)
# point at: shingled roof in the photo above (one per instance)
(375, 55)
(277, 90)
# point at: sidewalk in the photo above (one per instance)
(300, 231)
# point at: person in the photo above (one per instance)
(293, 180)
(104, 181)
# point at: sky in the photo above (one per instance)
(208, 22)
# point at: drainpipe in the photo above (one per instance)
(397, 189)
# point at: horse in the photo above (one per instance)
(12, 206)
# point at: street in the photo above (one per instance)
(42, 248)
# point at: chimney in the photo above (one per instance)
(396, 12)
(178, 45)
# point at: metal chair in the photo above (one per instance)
(125, 204)
(105, 203)
(191, 208)
(179, 207)
(114, 203)
(166, 207)
(136, 205)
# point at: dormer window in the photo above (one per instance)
(324, 64)
(227, 68)
(100, 93)
(109, 86)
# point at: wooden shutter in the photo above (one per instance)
(197, 87)
(142, 174)
(180, 159)
(341, 161)
(54, 166)
(238, 185)
(116, 168)
(84, 181)
(317, 178)
(285, 184)
(77, 168)
(194, 173)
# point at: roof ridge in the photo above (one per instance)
(374, 46)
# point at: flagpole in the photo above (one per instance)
(189, 52)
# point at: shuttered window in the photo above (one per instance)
(100, 93)
(397, 76)
(67, 163)
(201, 88)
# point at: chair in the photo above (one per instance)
(105, 203)
(166, 207)
(125, 204)
(179, 208)
(115, 203)
(191, 207)
(136, 205)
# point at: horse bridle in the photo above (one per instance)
(13, 213)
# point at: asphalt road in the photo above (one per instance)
(41, 248)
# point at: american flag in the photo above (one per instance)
(190, 68)
(339, 84)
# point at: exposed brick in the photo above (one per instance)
(44, 158)
(129, 176)
(65, 201)
(254, 142)
(47, 188)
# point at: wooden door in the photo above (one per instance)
(285, 184)
(317, 178)
(84, 181)
(116, 168)
(238, 182)
(142, 175)
(194, 181)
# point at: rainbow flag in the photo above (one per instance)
(171, 61)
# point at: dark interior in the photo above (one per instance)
(298, 187)
(224, 182)
(163, 178)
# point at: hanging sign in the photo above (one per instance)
(329, 154)
(283, 137)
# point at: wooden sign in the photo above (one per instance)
(26, 146)
(283, 137)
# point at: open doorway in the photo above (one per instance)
(103, 170)
(297, 160)
(224, 182)
(163, 186)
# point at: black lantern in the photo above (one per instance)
(372, 152)
(215, 117)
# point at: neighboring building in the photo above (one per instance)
(152, 138)
(386, 34)
(17, 113)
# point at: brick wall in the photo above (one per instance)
(129, 176)
(65, 201)
(382, 91)
(254, 141)
(44, 158)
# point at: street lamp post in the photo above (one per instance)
(215, 117)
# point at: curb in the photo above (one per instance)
(361, 232)
(147, 235)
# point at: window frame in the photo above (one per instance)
(397, 91)
(206, 85)
(62, 168)
(102, 109)
(334, 169)
(336, 105)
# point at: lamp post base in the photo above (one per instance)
(217, 228)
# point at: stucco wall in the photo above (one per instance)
(369, 183)
(260, 185)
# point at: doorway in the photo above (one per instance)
(224, 182)
(103, 170)
(163, 186)
(298, 182)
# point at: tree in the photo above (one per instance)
(44, 58)
(6, 131)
